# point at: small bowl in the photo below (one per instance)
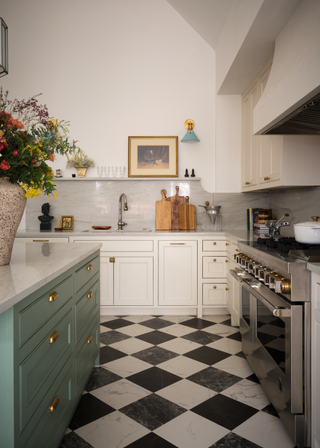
(101, 227)
(58, 229)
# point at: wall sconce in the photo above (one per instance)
(190, 135)
(4, 66)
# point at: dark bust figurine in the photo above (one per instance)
(45, 218)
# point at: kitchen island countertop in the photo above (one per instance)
(33, 265)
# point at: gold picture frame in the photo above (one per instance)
(67, 222)
(153, 156)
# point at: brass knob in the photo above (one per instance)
(237, 250)
(54, 404)
(227, 289)
(207, 203)
(53, 296)
(89, 340)
(227, 261)
(214, 243)
(89, 295)
(53, 337)
(247, 183)
(227, 244)
(89, 267)
(286, 286)
(266, 178)
(214, 287)
(214, 259)
(315, 218)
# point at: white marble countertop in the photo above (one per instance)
(34, 265)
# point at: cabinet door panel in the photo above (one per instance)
(106, 280)
(250, 143)
(214, 267)
(214, 294)
(133, 281)
(178, 273)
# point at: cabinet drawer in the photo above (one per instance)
(214, 294)
(50, 425)
(231, 248)
(41, 240)
(214, 245)
(122, 245)
(214, 267)
(33, 316)
(86, 273)
(85, 308)
(88, 350)
(38, 371)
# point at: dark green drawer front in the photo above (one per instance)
(34, 316)
(39, 370)
(86, 273)
(51, 425)
(85, 308)
(86, 355)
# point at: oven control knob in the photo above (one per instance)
(257, 269)
(283, 286)
(272, 280)
(261, 274)
(248, 262)
(243, 260)
(267, 275)
(264, 276)
(251, 266)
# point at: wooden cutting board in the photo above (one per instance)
(187, 216)
(163, 213)
(176, 201)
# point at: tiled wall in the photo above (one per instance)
(95, 202)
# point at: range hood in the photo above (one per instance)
(290, 102)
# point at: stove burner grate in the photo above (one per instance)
(286, 244)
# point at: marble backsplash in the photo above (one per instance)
(95, 202)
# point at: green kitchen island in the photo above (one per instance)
(49, 339)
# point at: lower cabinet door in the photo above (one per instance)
(214, 267)
(214, 294)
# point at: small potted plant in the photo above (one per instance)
(80, 161)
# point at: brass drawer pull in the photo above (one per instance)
(266, 178)
(214, 243)
(214, 259)
(53, 337)
(89, 340)
(247, 183)
(54, 404)
(40, 241)
(227, 261)
(236, 269)
(227, 289)
(89, 267)
(227, 244)
(177, 244)
(90, 294)
(53, 296)
(214, 287)
(237, 250)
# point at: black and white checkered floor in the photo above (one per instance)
(173, 381)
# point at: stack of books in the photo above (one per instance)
(260, 231)
(253, 216)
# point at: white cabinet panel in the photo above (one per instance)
(214, 294)
(214, 267)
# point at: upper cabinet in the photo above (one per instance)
(270, 161)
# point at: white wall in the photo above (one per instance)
(115, 68)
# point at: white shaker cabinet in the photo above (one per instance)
(315, 359)
(234, 290)
(178, 274)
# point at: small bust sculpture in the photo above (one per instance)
(45, 218)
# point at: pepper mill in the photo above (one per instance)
(186, 174)
(192, 173)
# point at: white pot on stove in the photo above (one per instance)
(307, 232)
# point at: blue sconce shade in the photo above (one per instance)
(190, 135)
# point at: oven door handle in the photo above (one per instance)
(277, 312)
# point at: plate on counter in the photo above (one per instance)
(101, 227)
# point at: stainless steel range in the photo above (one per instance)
(275, 326)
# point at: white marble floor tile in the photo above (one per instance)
(226, 345)
(102, 345)
(190, 430)
(186, 393)
(179, 345)
(138, 319)
(120, 393)
(126, 366)
(107, 318)
(130, 346)
(266, 431)
(221, 330)
(182, 366)
(235, 365)
(135, 330)
(104, 329)
(178, 330)
(217, 318)
(177, 319)
(249, 393)
(116, 430)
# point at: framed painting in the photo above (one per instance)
(67, 222)
(153, 157)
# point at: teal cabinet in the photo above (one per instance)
(49, 344)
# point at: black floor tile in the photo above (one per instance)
(156, 323)
(199, 324)
(240, 355)
(111, 337)
(117, 323)
(235, 336)
(101, 377)
(155, 337)
(151, 440)
(207, 355)
(270, 410)
(234, 441)
(155, 355)
(253, 378)
(214, 379)
(88, 410)
(228, 322)
(108, 354)
(152, 411)
(72, 440)
(224, 411)
(154, 379)
(201, 337)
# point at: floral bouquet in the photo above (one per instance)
(79, 159)
(28, 138)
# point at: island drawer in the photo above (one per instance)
(214, 267)
(87, 305)
(34, 313)
(214, 245)
(214, 294)
(84, 274)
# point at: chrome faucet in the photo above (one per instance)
(125, 208)
(274, 227)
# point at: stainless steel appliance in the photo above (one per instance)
(275, 325)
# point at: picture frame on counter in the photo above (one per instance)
(67, 222)
(153, 156)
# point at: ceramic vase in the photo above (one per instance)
(12, 205)
(81, 170)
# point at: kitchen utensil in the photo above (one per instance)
(163, 213)
(187, 216)
(307, 232)
(101, 227)
(176, 202)
(213, 212)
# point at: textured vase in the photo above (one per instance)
(81, 170)
(12, 204)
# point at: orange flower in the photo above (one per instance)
(51, 157)
(5, 165)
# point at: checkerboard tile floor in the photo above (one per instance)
(173, 381)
